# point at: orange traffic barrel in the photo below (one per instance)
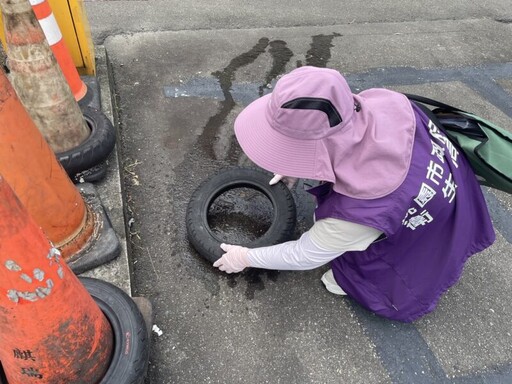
(51, 30)
(38, 79)
(30, 167)
(52, 329)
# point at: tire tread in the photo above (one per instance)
(95, 149)
(201, 239)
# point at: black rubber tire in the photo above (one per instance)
(199, 233)
(131, 343)
(95, 149)
(96, 173)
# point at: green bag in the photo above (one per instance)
(487, 147)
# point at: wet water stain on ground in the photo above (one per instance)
(240, 216)
(254, 278)
(318, 55)
(281, 55)
(320, 52)
(225, 78)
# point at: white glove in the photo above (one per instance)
(234, 260)
(287, 180)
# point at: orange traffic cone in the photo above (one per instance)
(32, 170)
(53, 35)
(52, 331)
(38, 79)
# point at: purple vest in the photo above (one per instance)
(432, 223)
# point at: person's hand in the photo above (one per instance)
(288, 181)
(234, 260)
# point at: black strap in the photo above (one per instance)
(474, 131)
(434, 103)
(429, 113)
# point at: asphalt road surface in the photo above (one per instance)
(181, 72)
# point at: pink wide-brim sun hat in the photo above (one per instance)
(276, 152)
(311, 126)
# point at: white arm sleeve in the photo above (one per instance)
(342, 236)
(321, 244)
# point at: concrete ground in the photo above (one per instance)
(181, 72)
